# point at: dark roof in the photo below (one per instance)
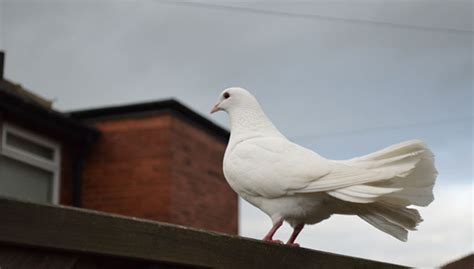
(28, 108)
(465, 262)
(152, 108)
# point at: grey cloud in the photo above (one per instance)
(342, 88)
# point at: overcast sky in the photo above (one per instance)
(343, 78)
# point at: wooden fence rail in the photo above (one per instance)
(48, 236)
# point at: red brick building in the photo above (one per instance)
(160, 161)
(157, 160)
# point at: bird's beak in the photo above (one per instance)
(215, 108)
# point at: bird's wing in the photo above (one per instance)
(274, 167)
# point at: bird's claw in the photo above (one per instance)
(279, 242)
(293, 244)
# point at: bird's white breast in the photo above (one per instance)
(298, 208)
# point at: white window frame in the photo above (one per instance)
(53, 165)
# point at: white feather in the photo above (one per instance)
(298, 185)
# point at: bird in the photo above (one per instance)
(293, 184)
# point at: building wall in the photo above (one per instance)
(162, 168)
(68, 153)
(201, 195)
(128, 170)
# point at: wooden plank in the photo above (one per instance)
(12, 257)
(85, 231)
(18, 257)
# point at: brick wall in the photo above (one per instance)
(162, 168)
(201, 195)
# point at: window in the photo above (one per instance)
(29, 166)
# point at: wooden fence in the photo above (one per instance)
(48, 236)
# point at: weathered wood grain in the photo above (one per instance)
(92, 233)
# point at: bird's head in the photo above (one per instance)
(233, 98)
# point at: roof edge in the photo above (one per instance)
(30, 110)
(151, 108)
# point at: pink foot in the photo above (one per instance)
(279, 242)
(293, 245)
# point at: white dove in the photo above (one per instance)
(294, 184)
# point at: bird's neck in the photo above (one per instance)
(249, 122)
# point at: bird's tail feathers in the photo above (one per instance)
(392, 219)
(412, 165)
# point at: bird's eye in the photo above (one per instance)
(226, 95)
